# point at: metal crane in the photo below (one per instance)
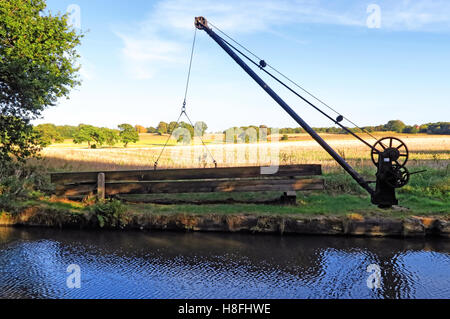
(389, 154)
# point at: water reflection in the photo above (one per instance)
(33, 264)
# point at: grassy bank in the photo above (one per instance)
(426, 195)
(343, 208)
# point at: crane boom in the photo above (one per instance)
(388, 173)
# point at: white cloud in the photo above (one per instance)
(162, 39)
(144, 55)
(248, 16)
(418, 15)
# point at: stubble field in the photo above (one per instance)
(425, 150)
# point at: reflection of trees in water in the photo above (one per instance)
(304, 258)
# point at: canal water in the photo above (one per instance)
(34, 264)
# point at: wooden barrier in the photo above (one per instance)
(287, 179)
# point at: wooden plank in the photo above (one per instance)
(182, 174)
(75, 190)
(160, 187)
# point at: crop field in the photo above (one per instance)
(425, 150)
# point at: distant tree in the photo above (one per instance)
(439, 128)
(162, 128)
(395, 126)
(200, 128)
(128, 134)
(411, 129)
(264, 131)
(98, 136)
(182, 135)
(84, 134)
(48, 134)
(423, 128)
(66, 131)
(151, 129)
(111, 136)
(171, 127)
(189, 127)
(140, 129)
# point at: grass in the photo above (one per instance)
(427, 195)
(308, 205)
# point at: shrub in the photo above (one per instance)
(109, 213)
(20, 181)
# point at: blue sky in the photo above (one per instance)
(135, 56)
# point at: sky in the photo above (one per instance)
(373, 61)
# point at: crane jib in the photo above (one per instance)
(355, 175)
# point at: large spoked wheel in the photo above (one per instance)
(393, 148)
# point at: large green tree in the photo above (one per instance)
(128, 134)
(37, 67)
(111, 136)
(84, 134)
(95, 136)
(162, 128)
(395, 126)
(48, 134)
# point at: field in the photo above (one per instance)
(425, 150)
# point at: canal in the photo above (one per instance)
(34, 264)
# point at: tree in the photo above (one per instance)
(411, 129)
(200, 128)
(67, 131)
(171, 127)
(38, 56)
(438, 128)
(264, 131)
(94, 136)
(48, 134)
(17, 140)
(99, 137)
(128, 134)
(111, 136)
(189, 127)
(140, 129)
(84, 134)
(395, 126)
(162, 128)
(151, 129)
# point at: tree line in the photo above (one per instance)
(168, 128)
(126, 133)
(94, 136)
(442, 128)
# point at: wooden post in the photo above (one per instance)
(101, 186)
